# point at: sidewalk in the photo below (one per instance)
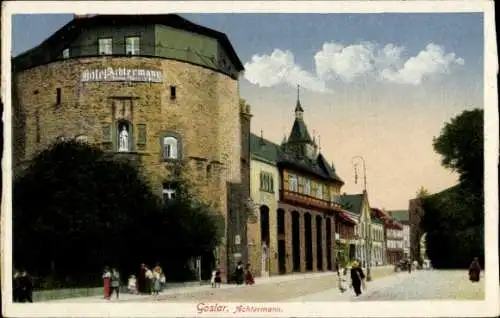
(192, 288)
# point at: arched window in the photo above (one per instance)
(170, 148)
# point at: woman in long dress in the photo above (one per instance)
(474, 270)
(357, 277)
(106, 276)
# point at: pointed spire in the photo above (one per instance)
(333, 166)
(319, 143)
(262, 137)
(299, 111)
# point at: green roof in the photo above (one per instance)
(400, 215)
(269, 152)
(352, 202)
(263, 149)
(299, 132)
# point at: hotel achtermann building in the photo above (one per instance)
(155, 89)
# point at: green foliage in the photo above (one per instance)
(75, 210)
(422, 192)
(454, 219)
(461, 147)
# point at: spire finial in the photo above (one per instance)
(262, 134)
(319, 142)
(298, 106)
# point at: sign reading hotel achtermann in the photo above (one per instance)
(121, 74)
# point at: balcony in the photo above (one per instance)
(305, 200)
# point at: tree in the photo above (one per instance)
(73, 210)
(454, 218)
(422, 192)
(76, 209)
(461, 147)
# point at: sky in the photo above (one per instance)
(380, 86)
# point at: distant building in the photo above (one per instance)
(403, 218)
(358, 205)
(379, 241)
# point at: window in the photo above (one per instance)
(65, 53)
(173, 93)
(105, 46)
(58, 96)
(106, 133)
(170, 148)
(307, 186)
(81, 138)
(319, 191)
(141, 134)
(132, 45)
(266, 182)
(293, 183)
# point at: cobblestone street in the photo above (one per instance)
(419, 285)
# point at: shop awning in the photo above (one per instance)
(346, 217)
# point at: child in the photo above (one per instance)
(342, 279)
(132, 285)
(216, 279)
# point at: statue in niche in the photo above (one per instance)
(124, 145)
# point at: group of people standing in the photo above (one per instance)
(243, 274)
(357, 278)
(147, 282)
(22, 286)
(150, 281)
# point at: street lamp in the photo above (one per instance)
(367, 228)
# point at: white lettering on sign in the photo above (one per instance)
(121, 75)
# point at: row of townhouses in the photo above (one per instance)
(162, 91)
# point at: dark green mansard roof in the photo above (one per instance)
(299, 132)
(352, 202)
(65, 35)
(263, 149)
(267, 151)
(400, 215)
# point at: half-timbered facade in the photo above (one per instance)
(303, 225)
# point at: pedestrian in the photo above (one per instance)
(474, 270)
(357, 277)
(342, 279)
(156, 280)
(132, 285)
(141, 279)
(149, 281)
(106, 276)
(248, 276)
(239, 273)
(410, 264)
(16, 286)
(25, 287)
(115, 283)
(216, 279)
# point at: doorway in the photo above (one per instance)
(282, 256)
(296, 241)
(308, 238)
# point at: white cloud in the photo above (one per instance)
(432, 60)
(280, 68)
(348, 63)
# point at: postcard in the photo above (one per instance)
(267, 159)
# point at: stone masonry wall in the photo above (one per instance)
(205, 114)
